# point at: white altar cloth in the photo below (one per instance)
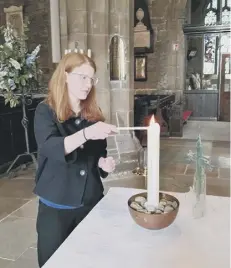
(109, 238)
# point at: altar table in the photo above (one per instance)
(109, 238)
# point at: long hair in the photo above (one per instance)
(57, 97)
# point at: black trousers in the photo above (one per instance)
(54, 226)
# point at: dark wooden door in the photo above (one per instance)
(225, 87)
(202, 103)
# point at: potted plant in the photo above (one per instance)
(19, 75)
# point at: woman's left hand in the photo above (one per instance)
(107, 164)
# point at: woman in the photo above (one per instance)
(71, 138)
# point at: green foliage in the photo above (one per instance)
(19, 70)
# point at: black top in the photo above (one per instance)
(71, 180)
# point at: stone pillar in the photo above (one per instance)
(121, 16)
(92, 24)
(97, 41)
(73, 24)
(55, 31)
(77, 23)
(176, 62)
(63, 25)
(166, 66)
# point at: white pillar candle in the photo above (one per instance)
(76, 50)
(81, 51)
(89, 53)
(153, 145)
(66, 51)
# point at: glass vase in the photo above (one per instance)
(199, 194)
(141, 159)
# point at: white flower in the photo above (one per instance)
(15, 64)
(3, 73)
(36, 51)
(32, 57)
(9, 45)
(11, 74)
(8, 34)
(2, 85)
(11, 84)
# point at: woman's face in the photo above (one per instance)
(80, 82)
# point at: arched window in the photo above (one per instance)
(226, 43)
(211, 13)
(211, 53)
(209, 37)
(225, 17)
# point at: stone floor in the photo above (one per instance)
(220, 130)
(18, 205)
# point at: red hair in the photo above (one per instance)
(58, 98)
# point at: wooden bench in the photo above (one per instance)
(168, 112)
(186, 116)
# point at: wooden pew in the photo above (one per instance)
(167, 110)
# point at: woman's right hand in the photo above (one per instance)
(99, 131)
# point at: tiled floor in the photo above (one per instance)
(177, 172)
(220, 130)
(18, 205)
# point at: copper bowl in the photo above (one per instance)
(154, 221)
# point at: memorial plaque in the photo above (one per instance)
(14, 17)
(117, 58)
(142, 39)
(140, 68)
(143, 32)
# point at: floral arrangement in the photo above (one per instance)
(19, 71)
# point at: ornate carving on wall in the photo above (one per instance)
(117, 58)
(143, 32)
(14, 16)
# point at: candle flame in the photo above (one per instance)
(152, 120)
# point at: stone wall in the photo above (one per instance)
(38, 13)
(92, 24)
(166, 66)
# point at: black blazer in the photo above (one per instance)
(68, 180)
